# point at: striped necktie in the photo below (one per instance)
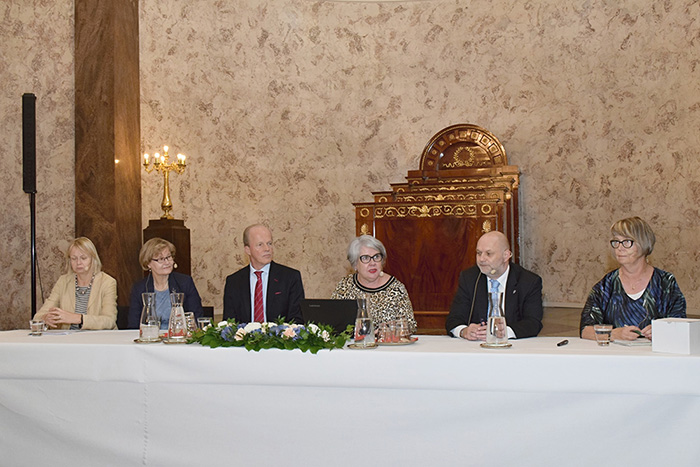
(258, 310)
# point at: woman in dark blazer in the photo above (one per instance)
(158, 257)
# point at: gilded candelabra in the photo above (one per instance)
(161, 164)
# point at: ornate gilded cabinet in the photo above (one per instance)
(430, 224)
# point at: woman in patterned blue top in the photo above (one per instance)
(632, 296)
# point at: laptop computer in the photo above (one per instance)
(335, 313)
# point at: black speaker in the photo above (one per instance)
(29, 143)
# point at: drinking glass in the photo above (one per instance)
(403, 332)
(204, 322)
(387, 332)
(191, 323)
(36, 327)
(602, 333)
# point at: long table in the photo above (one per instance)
(96, 398)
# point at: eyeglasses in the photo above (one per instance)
(626, 243)
(367, 258)
(164, 259)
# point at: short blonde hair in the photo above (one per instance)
(85, 245)
(151, 248)
(638, 230)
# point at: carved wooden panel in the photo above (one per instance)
(431, 223)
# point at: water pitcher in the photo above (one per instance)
(364, 327)
(149, 324)
(496, 331)
(177, 329)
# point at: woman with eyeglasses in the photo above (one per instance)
(636, 293)
(158, 257)
(387, 298)
(84, 297)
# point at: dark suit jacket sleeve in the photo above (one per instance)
(229, 297)
(462, 301)
(237, 296)
(526, 321)
(285, 291)
(296, 295)
(135, 304)
(184, 283)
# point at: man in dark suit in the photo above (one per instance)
(522, 293)
(279, 289)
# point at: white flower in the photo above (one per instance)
(222, 324)
(240, 334)
(313, 328)
(325, 336)
(252, 326)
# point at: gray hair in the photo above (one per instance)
(366, 241)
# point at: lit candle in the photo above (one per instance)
(145, 159)
(156, 158)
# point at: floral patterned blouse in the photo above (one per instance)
(385, 303)
(608, 303)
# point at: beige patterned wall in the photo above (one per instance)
(36, 56)
(291, 110)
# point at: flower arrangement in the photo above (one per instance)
(278, 335)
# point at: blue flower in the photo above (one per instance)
(227, 334)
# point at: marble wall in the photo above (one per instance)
(291, 110)
(36, 57)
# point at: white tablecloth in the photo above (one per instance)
(97, 398)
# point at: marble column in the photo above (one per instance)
(107, 136)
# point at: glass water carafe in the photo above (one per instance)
(150, 323)
(177, 329)
(364, 327)
(496, 330)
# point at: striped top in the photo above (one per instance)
(608, 303)
(82, 296)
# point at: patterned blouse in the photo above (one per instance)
(608, 303)
(385, 303)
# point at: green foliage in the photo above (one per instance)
(279, 335)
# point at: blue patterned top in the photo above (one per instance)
(608, 303)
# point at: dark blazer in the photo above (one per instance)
(523, 301)
(284, 294)
(177, 282)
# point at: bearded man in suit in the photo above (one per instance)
(264, 290)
